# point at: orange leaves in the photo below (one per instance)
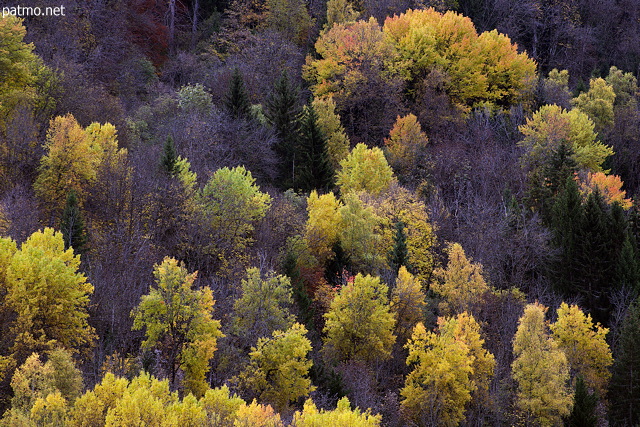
(609, 186)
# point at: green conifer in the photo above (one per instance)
(72, 225)
(315, 171)
(237, 100)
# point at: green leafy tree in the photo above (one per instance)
(72, 225)
(314, 170)
(194, 98)
(359, 324)
(237, 99)
(262, 307)
(597, 103)
(278, 372)
(359, 234)
(231, 203)
(177, 320)
(550, 126)
(340, 12)
(541, 370)
(365, 169)
(289, 17)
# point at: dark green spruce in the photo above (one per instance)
(72, 225)
(282, 112)
(314, 169)
(237, 99)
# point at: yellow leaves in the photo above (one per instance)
(365, 169)
(480, 68)
(406, 141)
(279, 367)
(550, 126)
(256, 415)
(461, 283)
(73, 158)
(609, 187)
(585, 346)
(597, 103)
(342, 416)
(447, 368)
(323, 226)
(407, 302)
(359, 324)
(541, 370)
(329, 123)
(48, 295)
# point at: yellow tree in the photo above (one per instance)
(585, 346)
(541, 370)
(359, 324)
(48, 295)
(359, 234)
(342, 416)
(365, 169)
(405, 143)
(439, 385)
(329, 123)
(399, 205)
(70, 163)
(231, 203)
(323, 226)
(18, 65)
(461, 283)
(597, 103)
(262, 308)
(479, 68)
(177, 320)
(278, 372)
(407, 302)
(551, 126)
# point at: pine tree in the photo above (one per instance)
(282, 111)
(72, 225)
(315, 171)
(399, 254)
(584, 407)
(169, 159)
(237, 100)
(567, 214)
(624, 391)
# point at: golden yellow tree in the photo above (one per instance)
(365, 169)
(359, 324)
(541, 370)
(407, 302)
(584, 343)
(278, 372)
(461, 283)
